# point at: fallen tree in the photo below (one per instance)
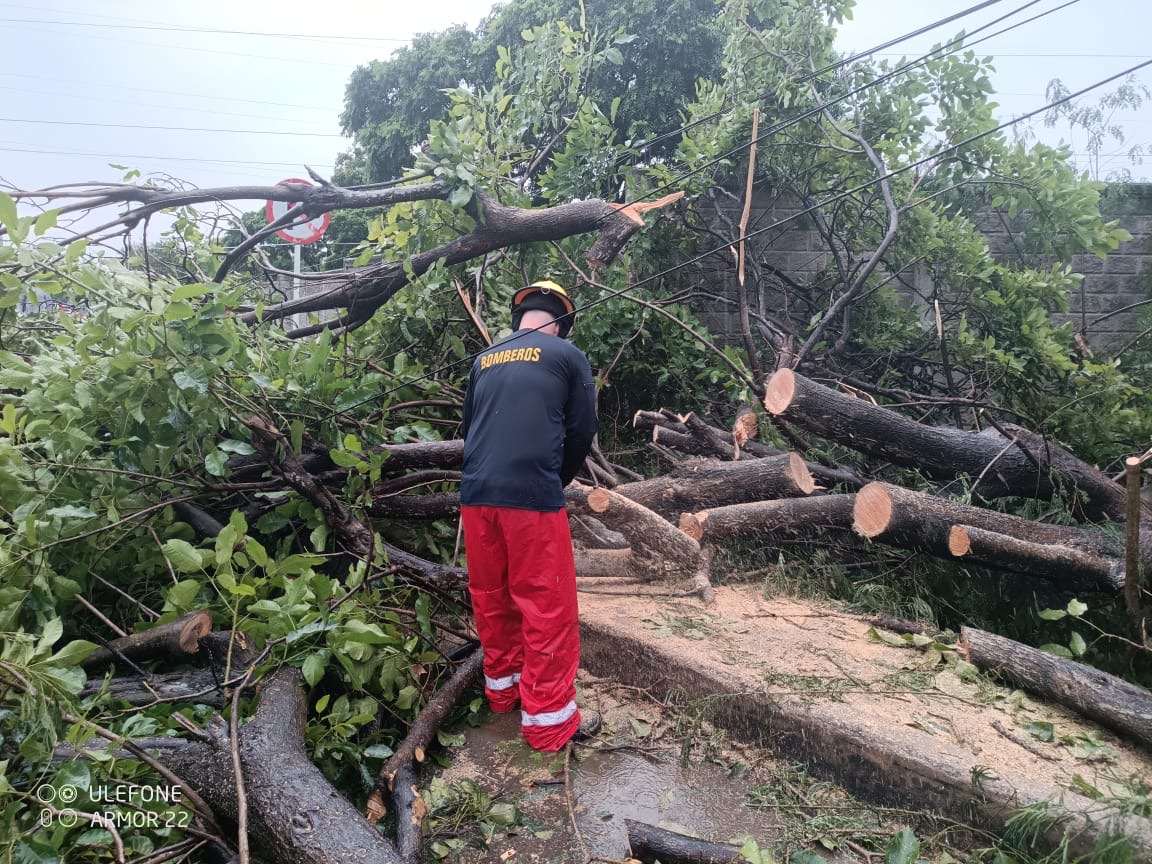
(768, 520)
(1110, 701)
(914, 520)
(998, 466)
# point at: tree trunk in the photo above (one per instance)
(706, 484)
(178, 638)
(914, 520)
(294, 814)
(1108, 700)
(604, 563)
(1069, 567)
(769, 518)
(1004, 468)
(659, 549)
(649, 843)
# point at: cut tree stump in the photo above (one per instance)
(1005, 467)
(1060, 564)
(914, 520)
(294, 814)
(177, 638)
(1110, 701)
(769, 519)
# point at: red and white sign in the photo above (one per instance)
(301, 232)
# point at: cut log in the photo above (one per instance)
(1060, 564)
(1003, 467)
(659, 549)
(1108, 700)
(294, 814)
(913, 520)
(690, 441)
(178, 638)
(604, 563)
(708, 483)
(766, 519)
(593, 534)
(197, 685)
(649, 843)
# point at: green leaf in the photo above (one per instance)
(1077, 645)
(1052, 614)
(1076, 608)
(183, 555)
(187, 292)
(1058, 650)
(216, 463)
(806, 856)
(71, 512)
(314, 666)
(46, 221)
(31, 851)
(502, 813)
(73, 653)
(183, 594)
(242, 448)
(8, 213)
(178, 310)
(904, 848)
(1041, 730)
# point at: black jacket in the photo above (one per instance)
(529, 421)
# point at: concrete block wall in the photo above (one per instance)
(1120, 280)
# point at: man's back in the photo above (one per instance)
(529, 421)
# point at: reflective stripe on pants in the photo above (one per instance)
(522, 579)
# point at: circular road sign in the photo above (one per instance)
(303, 231)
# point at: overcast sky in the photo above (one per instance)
(256, 103)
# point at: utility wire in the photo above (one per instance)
(831, 200)
(179, 29)
(818, 109)
(167, 128)
(145, 156)
(852, 59)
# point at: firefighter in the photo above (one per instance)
(529, 421)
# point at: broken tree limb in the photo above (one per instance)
(710, 483)
(649, 843)
(1070, 567)
(428, 722)
(177, 638)
(766, 519)
(1003, 466)
(1108, 700)
(914, 520)
(295, 816)
(667, 427)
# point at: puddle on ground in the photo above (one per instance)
(617, 778)
(701, 800)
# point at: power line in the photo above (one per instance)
(183, 109)
(88, 85)
(831, 200)
(856, 57)
(819, 108)
(179, 29)
(167, 128)
(163, 158)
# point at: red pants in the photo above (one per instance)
(522, 579)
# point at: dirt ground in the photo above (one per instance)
(660, 760)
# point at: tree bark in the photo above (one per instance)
(914, 520)
(704, 484)
(767, 519)
(1108, 700)
(602, 563)
(294, 814)
(659, 550)
(178, 638)
(649, 843)
(1004, 468)
(1069, 567)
